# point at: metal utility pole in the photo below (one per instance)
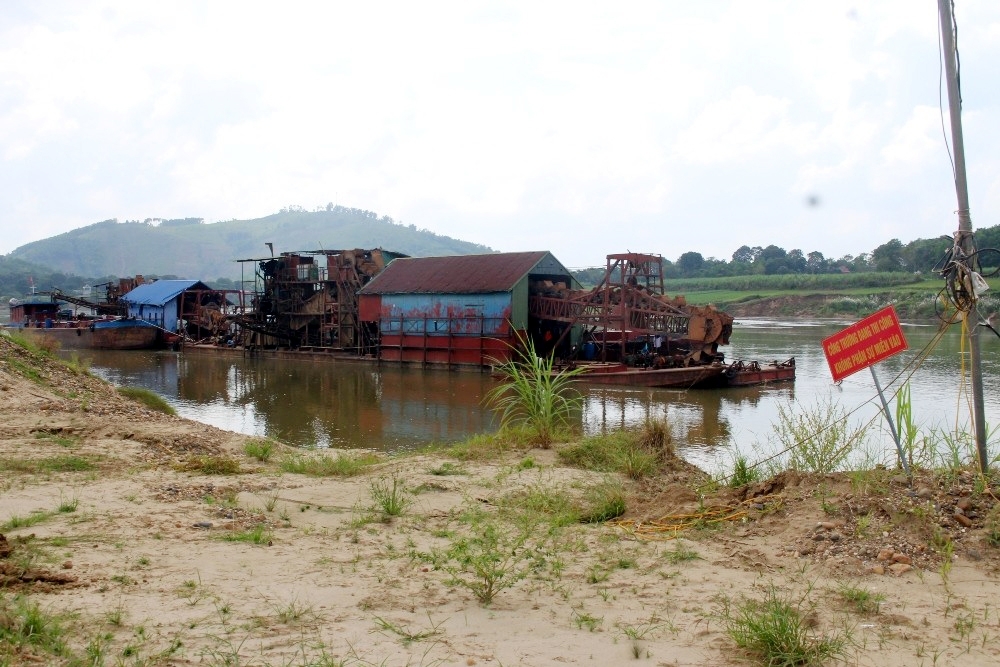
(963, 237)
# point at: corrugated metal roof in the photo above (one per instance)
(161, 291)
(460, 274)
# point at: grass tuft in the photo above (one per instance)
(624, 452)
(342, 465)
(774, 631)
(259, 534)
(217, 465)
(389, 497)
(259, 448)
(150, 399)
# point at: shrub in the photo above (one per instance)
(819, 438)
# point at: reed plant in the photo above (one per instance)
(534, 395)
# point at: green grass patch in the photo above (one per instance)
(25, 370)
(259, 448)
(27, 630)
(47, 465)
(150, 399)
(216, 465)
(620, 451)
(33, 519)
(342, 465)
(57, 438)
(487, 446)
(259, 535)
(864, 601)
(775, 631)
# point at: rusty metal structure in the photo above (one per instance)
(628, 316)
(472, 310)
(111, 304)
(308, 300)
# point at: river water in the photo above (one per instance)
(392, 408)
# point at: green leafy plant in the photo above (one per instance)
(495, 557)
(534, 395)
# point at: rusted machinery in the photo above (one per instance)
(628, 317)
(309, 298)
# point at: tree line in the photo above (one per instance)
(920, 256)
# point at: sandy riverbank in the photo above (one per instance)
(115, 530)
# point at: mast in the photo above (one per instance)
(964, 236)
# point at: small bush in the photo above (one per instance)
(819, 438)
(493, 558)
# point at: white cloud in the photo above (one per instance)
(575, 127)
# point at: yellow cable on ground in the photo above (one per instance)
(667, 527)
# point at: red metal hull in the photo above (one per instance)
(98, 334)
(126, 335)
(751, 374)
(716, 376)
(678, 378)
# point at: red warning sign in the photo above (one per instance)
(865, 343)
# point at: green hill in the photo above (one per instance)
(189, 248)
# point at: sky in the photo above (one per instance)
(582, 128)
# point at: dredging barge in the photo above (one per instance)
(475, 311)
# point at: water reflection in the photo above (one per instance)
(347, 404)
